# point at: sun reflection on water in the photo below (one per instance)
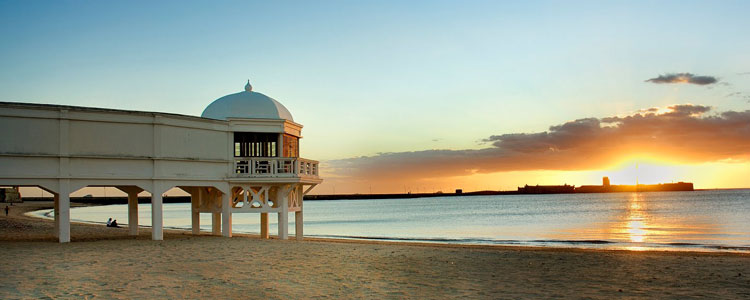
(635, 225)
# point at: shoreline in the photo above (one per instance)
(333, 197)
(107, 263)
(392, 241)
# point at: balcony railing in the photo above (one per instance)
(275, 167)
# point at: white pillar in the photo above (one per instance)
(264, 225)
(157, 221)
(283, 225)
(298, 225)
(284, 215)
(56, 233)
(63, 213)
(216, 223)
(226, 216)
(195, 199)
(133, 212)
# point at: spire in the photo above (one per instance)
(248, 87)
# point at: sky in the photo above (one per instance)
(422, 96)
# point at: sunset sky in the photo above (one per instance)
(423, 96)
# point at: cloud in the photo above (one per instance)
(684, 78)
(683, 133)
(733, 94)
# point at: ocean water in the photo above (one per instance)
(714, 220)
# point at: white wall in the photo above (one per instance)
(55, 142)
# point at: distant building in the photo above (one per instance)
(459, 191)
(546, 189)
(606, 187)
(661, 187)
(10, 195)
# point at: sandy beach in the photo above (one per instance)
(106, 263)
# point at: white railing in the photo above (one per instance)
(275, 167)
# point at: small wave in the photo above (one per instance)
(597, 244)
(469, 240)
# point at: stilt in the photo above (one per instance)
(56, 233)
(133, 213)
(226, 216)
(283, 225)
(264, 225)
(298, 225)
(157, 221)
(195, 199)
(62, 215)
(283, 215)
(216, 223)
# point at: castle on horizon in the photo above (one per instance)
(606, 187)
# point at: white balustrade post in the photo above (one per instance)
(251, 162)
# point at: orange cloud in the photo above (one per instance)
(683, 134)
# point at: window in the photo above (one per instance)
(255, 144)
(291, 146)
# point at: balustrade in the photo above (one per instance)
(275, 167)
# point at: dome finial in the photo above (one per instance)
(248, 87)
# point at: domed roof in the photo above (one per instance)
(246, 105)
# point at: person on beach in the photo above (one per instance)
(113, 224)
(6, 210)
(109, 222)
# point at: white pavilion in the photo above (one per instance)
(240, 156)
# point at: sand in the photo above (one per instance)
(106, 263)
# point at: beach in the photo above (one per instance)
(105, 262)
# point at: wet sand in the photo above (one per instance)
(106, 263)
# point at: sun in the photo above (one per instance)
(644, 170)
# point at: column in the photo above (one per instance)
(195, 199)
(298, 224)
(56, 233)
(216, 223)
(62, 214)
(157, 221)
(283, 225)
(284, 215)
(226, 215)
(264, 225)
(133, 212)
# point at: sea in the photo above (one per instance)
(706, 220)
